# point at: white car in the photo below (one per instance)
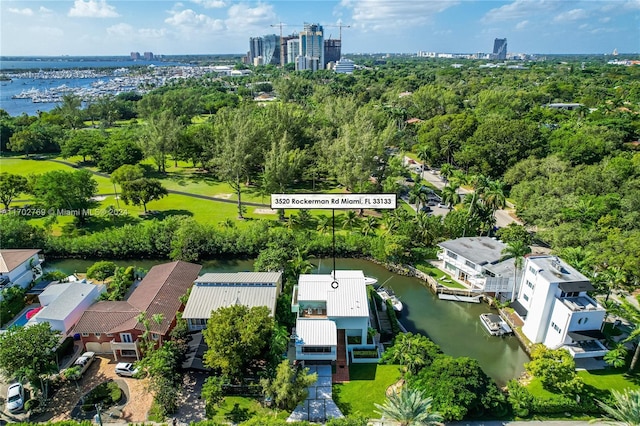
(126, 369)
(15, 397)
(84, 361)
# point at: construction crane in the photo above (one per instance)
(340, 26)
(280, 24)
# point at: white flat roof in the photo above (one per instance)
(349, 299)
(205, 299)
(69, 296)
(316, 332)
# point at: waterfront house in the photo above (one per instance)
(556, 309)
(213, 291)
(477, 262)
(19, 267)
(113, 326)
(332, 316)
(63, 304)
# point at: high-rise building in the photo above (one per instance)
(135, 56)
(332, 50)
(344, 66)
(148, 56)
(311, 46)
(255, 48)
(293, 50)
(500, 48)
(267, 48)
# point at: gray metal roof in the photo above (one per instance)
(555, 270)
(349, 299)
(316, 332)
(248, 278)
(503, 269)
(479, 250)
(204, 299)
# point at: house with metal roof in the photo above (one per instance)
(19, 267)
(556, 309)
(213, 291)
(113, 326)
(63, 304)
(478, 263)
(332, 316)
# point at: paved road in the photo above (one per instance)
(528, 423)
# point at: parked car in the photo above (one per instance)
(409, 179)
(432, 203)
(443, 205)
(126, 369)
(84, 361)
(426, 209)
(15, 397)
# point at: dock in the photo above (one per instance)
(459, 298)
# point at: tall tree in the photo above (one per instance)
(62, 190)
(236, 335)
(409, 407)
(70, 110)
(160, 137)
(10, 186)
(625, 409)
(516, 250)
(143, 191)
(29, 352)
(289, 386)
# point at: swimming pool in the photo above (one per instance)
(22, 319)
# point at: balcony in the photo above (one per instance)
(586, 349)
(581, 303)
(319, 312)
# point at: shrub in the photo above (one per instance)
(365, 354)
(31, 404)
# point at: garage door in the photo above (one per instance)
(99, 348)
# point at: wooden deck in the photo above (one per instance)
(342, 366)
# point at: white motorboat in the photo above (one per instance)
(495, 325)
(370, 280)
(388, 294)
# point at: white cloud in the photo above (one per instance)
(605, 19)
(211, 4)
(571, 15)
(24, 12)
(520, 9)
(187, 20)
(242, 17)
(632, 4)
(92, 9)
(522, 25)
(44, 10)
(126, 31)
(380, 14)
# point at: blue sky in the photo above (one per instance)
(117, 27)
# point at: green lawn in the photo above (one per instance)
(368, 385)
(236, 409)
(608, 379)
(436, 274)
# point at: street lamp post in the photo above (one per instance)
(98, 417)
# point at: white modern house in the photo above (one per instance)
(556, 309)
(63, 304)
(332, 316)
(20, 267)
(477, 262)
(213, 291)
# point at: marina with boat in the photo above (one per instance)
(386, 293)
(495, 325)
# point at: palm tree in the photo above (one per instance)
(494, 196)
(409, 407)
(369, 225)
(580, 258)
(324, 224)
(450, 196)
(632, 314)
(625, 409)
(613, 277)
(427, 227)
(517, 250)
(419, 195)
(350, 220)
(446, 170)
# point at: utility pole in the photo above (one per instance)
(280, 24)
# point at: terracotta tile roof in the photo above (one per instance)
(10, 259)
(158, 293)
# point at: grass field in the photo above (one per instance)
(368, 385)
(607, 379)
(236, 409)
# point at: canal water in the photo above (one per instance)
(455, 326)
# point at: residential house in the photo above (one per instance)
(113, 326)
(20, 267)
(63, 304)
(213, 291)
(332, 316)
(556, 309)
(478, 263)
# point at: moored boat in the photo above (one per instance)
(388, 294)
(495, 325)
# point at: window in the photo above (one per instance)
(555, 327)
(452, 254)
(98, 335)
(525, 297)
(85, 334)
(533, 270)
(109, 334)
(198, 321)
(570, 294)
(155, 336)
(470, 264)
(583, 320)
(316, 350)
(530, 284)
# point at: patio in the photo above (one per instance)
(319, 405)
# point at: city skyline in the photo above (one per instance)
(109, 27)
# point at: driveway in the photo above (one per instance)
(191, 405)
(101, 370)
